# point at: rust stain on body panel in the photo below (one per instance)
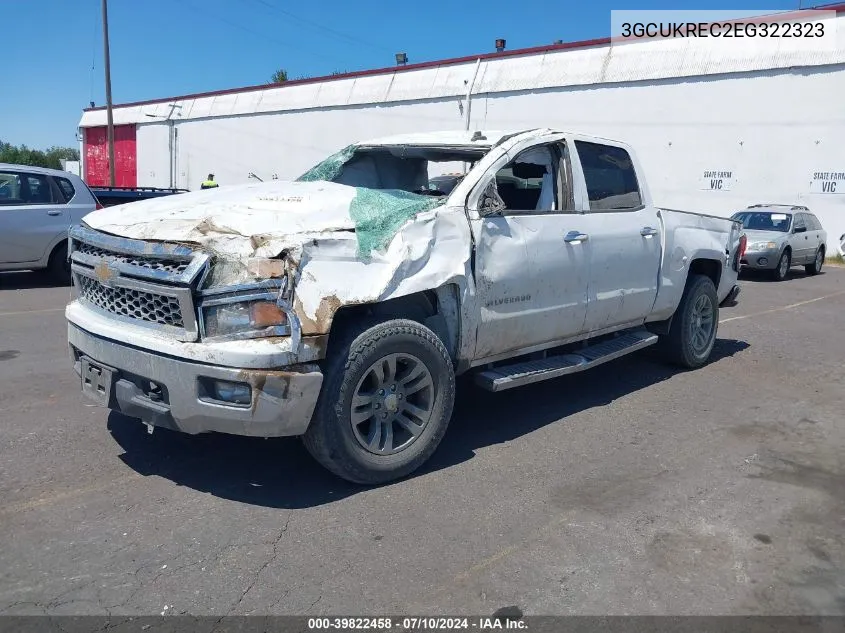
(323, 316)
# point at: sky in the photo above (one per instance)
(167, 48)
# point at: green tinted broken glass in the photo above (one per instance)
(330, 168)
(379, 213)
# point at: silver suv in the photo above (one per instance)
(780, 236)
(37, 207)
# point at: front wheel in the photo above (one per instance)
(692, 332)
(816, 267)
(385, 404)
(785, 261)
(59, 265)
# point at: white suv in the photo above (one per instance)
(37, 207)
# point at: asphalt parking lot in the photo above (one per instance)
(631, 489)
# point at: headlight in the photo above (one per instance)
(762, 246)
(234, 318)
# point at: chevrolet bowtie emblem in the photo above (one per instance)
(105, 272)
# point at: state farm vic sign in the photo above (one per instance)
(716, 180)
(828, 182)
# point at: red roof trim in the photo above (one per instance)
(601, 41)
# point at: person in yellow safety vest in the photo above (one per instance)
(209, 184)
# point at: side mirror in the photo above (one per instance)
(799, 229)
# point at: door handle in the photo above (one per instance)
(647, 231)
(575, 236)
(54, 212)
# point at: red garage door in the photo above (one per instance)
(97, 156)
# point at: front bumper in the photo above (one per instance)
(170, 392)
(760, 260)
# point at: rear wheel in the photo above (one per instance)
(692, 332)
(816, 267)
(780, 271)
(59, 265)
(385, 404)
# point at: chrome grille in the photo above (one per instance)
(167, 265)
(145, 283)
(135, 304)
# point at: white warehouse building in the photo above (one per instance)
(717, 124)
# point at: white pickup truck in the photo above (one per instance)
(340, 307)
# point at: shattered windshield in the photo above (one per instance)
(412, 169)
(393, 184)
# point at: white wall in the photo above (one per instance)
(772, 130)
(153, 155)
(768, 110)
(287, 144)
(70, 166)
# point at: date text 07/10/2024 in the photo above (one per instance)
(416, 623)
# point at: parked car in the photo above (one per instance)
(340, 307)
(781, 236)
(37, 207)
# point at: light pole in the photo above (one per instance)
(110, 118)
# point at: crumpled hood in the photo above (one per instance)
(765, 236)
(257, 219)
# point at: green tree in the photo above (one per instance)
(280, 76)
(23, 155)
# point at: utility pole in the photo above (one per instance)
(107, 64)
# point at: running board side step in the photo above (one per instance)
(527, 372)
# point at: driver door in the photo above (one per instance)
(531, 270)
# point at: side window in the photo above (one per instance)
(66, 187)
(36, 189)
(808, 221)
(10, 188)
(817, 226)
(799, 222)
(529, 182)
(610, 177)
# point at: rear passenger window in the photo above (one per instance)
(37, 190)
(610, 177)
(66, 187)
(814, 224)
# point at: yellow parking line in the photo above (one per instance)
(782, 308)
(2, 314)
(451, 584)
(24, 506)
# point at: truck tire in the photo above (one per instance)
(386, 401)
(780, 271)
(816, 267)
(59, 267)
(692, 332)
